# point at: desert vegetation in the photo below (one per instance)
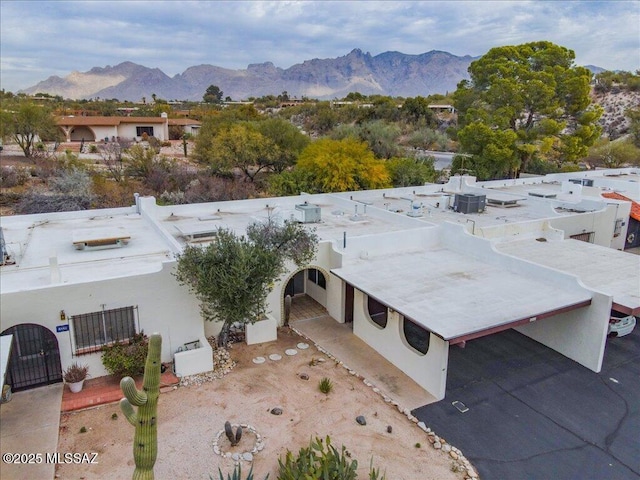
(525, 109)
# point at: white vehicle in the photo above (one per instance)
(620, 324)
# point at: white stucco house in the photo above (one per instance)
(413, 271)
(99, 128)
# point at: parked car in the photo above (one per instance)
(620, 324)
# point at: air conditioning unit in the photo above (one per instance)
(469, 203)
(309, 213)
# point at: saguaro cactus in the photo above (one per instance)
(145, 440)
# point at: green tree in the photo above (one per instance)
(286, 138)
(241, 146)
(28, 125)
(407, 172)
(342, 165)
(213, 94)
(233, 275)
(617, 153)
(536, 92)
(416, 110)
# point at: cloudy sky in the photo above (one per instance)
(43, 38)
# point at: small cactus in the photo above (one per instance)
(233, 438)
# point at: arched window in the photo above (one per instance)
(377, 312)
(416, 336)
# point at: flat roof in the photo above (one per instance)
(605, 269)
(454, 295)
(32, 240)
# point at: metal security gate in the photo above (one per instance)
(35, 357)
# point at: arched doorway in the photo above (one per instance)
(35, 357)
(307, 289)
(82, 133)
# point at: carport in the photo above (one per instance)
(460, 292)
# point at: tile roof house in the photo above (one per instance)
(95, 129)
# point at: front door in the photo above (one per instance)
(35, 357)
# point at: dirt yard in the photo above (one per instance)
(191, 417)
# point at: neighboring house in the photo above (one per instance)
(413, 271)
(632, 238)
(110, 129)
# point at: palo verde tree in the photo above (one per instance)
(342, 165)
(28, 125)
(526, 102)
(232, 275)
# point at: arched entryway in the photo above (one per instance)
(308, 291)
(79, 134)
(35, 357)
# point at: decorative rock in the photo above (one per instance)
(389, 429)
(472, 473)
(422, 426)
(247, 456)
(276, 411)
(304, 376)
(291, 351)
(235, 456)
(259, 360)
(437, 445)
(302, 346)
(321, 360)
(275, 357)
(216, 450)
(453, 455)
(352, 372)
(446, 448)
(361, 420)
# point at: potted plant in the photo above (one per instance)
(75, 375)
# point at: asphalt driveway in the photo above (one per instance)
(535, 414)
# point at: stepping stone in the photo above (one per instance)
(275, 357)
(291, 351)
(303, 346)
(259, 360)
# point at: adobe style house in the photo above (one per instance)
(411, 271)
(107, 129)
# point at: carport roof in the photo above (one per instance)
(456, 296)
(605, 269)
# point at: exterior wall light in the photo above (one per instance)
(63, 316)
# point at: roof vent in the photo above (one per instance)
(100, 238)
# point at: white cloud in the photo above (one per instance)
(61, 36)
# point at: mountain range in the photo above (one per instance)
(389, 73)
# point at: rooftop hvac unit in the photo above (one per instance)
(310, 213)
(469, 203)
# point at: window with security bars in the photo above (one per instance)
(96, 329)
(142, 130)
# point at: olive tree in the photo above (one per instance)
(233, 274)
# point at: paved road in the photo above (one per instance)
(534, 414)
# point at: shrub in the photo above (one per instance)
(322, 460)
(325, 385)
(237, 474)
(13, 176)
(126, 359)
(319, 460)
